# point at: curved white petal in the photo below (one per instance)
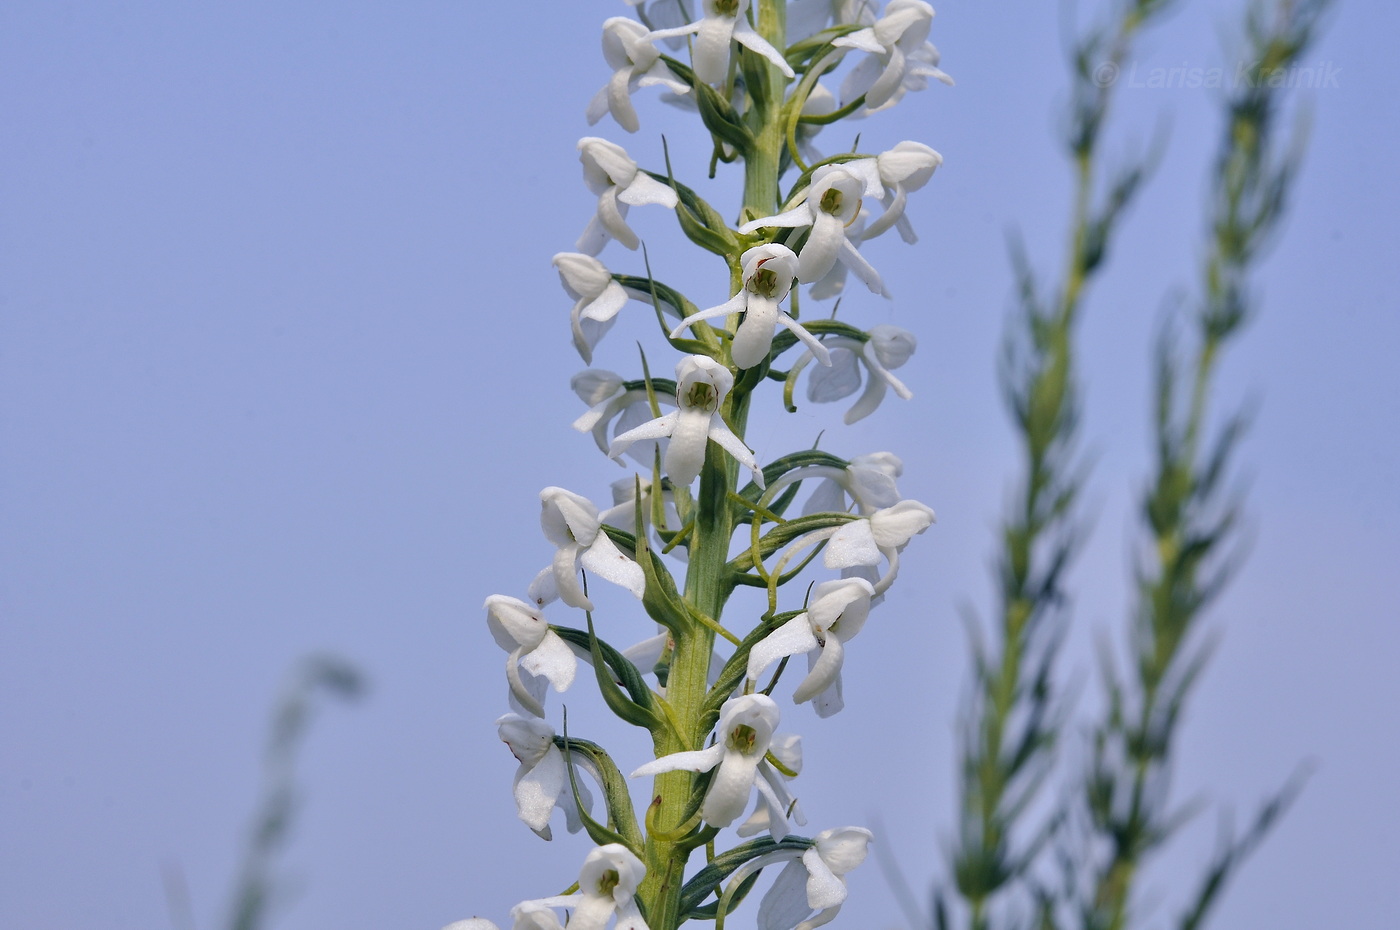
(755, 334)
(785, 904)
(812, 343)
(732, 444)
(537, 790)
(605, 560)
(732, 305)
(825, 670)
(824, 888)
(659, 428)
(645, 189)
(552, 660)
(789, 639)
(852, 544)
(745, 35)
(685, 455)
(698, 761)
(565, 566)
(729, 789)
(842, 379)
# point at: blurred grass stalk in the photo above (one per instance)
(1015, 717)
(258, 889)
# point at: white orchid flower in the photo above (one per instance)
(768, 272)
(901, 57)
(722, 21)
(837, 612)
(531, 915)
(827, 206)
(701, 386)
(808, 17)
(745, 731)
(537, 653)
(867, 480)
(812, 881)
(884, 533)
(636, 63)
(616, 405)
(542, 782)
(607, 885)
(572, 523)
(619, 183)
(597, 298)
(906, 167)
(888, 347)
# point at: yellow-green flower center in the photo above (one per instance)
(608, 881)
(742, 739)
(727, 7)
(831, 202)
(703, 395)
(764, 282)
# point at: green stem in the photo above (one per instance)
(707, 584)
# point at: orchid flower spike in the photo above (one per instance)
(888, 347)
(723, 21)
(607, 885)
(827, 206)
(906, 167)
(537, 653)
(813, 881)
(636, 63)
(542, 781)
(597, 298)
(619, 183)
(768, 271)
(572, 523)
(701, 386)
(744, 731)
(617, 405)
(837, 612)
(901, 57)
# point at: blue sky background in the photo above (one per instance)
(283, 367)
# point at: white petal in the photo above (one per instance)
(685, 456)
(729, 789)
(789, 639)
(895, 526)
(648, 652)
(662, 426)
(822, 246)
(709, 54)
(825, 670)
(785, 904)
(812, 343)
(537, 790)
(732, 305)
(699, 761)
(755, 334)
(840, 380)
(744, 34)
(566, 581)
(829, 497)
(732, 444)
(824, 889)
(869, 399)
(850, 256)
(605, 560)
(800, 215)
(852, 544)
(645, 189)
(554, 660)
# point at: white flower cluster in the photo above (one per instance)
(726, 747)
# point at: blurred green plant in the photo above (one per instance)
(1078, 865)
(258, 889)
